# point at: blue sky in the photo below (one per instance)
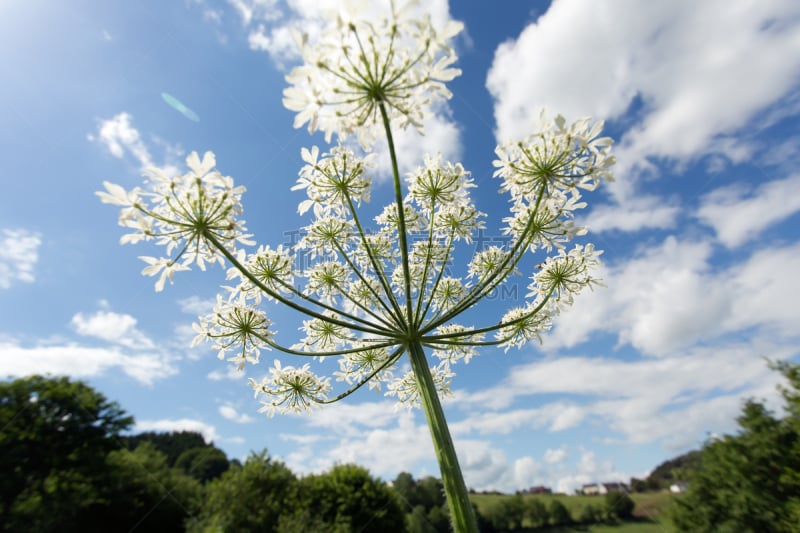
(700, 230)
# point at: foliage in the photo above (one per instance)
(247, 498)
(425, 498)
(559, 514)
(171, 443)
(348, 497)
(679, 468)
(55, 436)
(536, 512)
(590, 514)
(203, 464)
(618, 504)
(145, 493)
(749, 482)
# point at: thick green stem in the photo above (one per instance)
(461, 512)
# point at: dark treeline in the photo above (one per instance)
(68, 465)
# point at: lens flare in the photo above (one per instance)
(178, 106)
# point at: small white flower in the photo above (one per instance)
(238, 327)
(566, 274)
(183, 213)
(290, 389)
(335, 181)
(555, 158)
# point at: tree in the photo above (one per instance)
(349, 496)
(536, 512)
(171, 443)
(55, 436)
(679, 468)
(559, 514)
(203, 464)
(248, 498)
(590, 514)
(618, 504)
(145, 494)
(749, 482)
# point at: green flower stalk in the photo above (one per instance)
(372, 295)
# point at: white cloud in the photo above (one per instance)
(278, 41)
(18, 256)
(82, 361)
(230, 372)
(347, 417)
(441, 136)
(119, 136)
(208, 431)
(229, 412)
(671, 73)
(739, 214)
(652, 400)
(680, 67)
(555, 456)
(668, 297)
(637, 213)
(112, 327)
(252, 10)
(394, 443)
(194, 305)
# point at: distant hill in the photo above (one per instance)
(679, 468)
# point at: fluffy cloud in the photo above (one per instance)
(19, 252)
(117, 345)
(377, 437)
(666, 76)
(555, 456)
(250, 10)
(440, 132)
(739, 214)
(637, 213)
(120, 137)
(82, 362)
(112, 327)
(194, 305)
(653, 400)
(679, 68)
(208, 431)
(230, 413)
(668, 297)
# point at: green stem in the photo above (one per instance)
(401, 214)
(461, 512)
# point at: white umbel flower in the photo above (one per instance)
(357, 66)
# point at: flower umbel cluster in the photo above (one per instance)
(359, 70)
(380, 291)
(192, 215)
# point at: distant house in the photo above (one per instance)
(538, 490)
(678, 488)
(594, 489)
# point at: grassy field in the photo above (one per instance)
(650, 508)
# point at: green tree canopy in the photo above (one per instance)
(618, 504)
(349, 497)
(251, 497)
(171, 443)
(559, 514)
(144, 493)
(203, 464)
(749, 482)
(55, 436)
